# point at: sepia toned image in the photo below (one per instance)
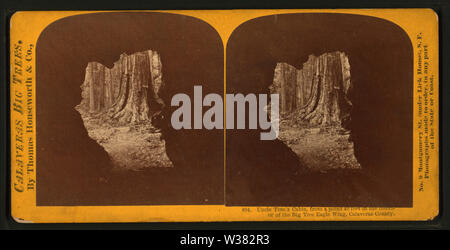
(120, 108)
(315, 110)
(103, 111)
(224, 115)
(345, 104)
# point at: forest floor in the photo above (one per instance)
(134, 147)
(320, 148)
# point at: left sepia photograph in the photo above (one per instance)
(104, 84)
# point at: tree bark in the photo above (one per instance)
(123, 93)
(117, 105)
(317, 93)
(315, 110)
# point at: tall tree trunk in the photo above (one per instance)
(117, 105)
(124, 92)
(315, 110)
(317, 93)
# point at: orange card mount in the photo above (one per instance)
(224, 115)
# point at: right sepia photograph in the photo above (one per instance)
(345, 92)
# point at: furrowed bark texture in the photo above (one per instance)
(315, 111)
(317, 93)
(124, 92)
(117, 106)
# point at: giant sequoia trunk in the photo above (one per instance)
(317, 93)
(123, 92)
(315, 109)
(117, 105)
